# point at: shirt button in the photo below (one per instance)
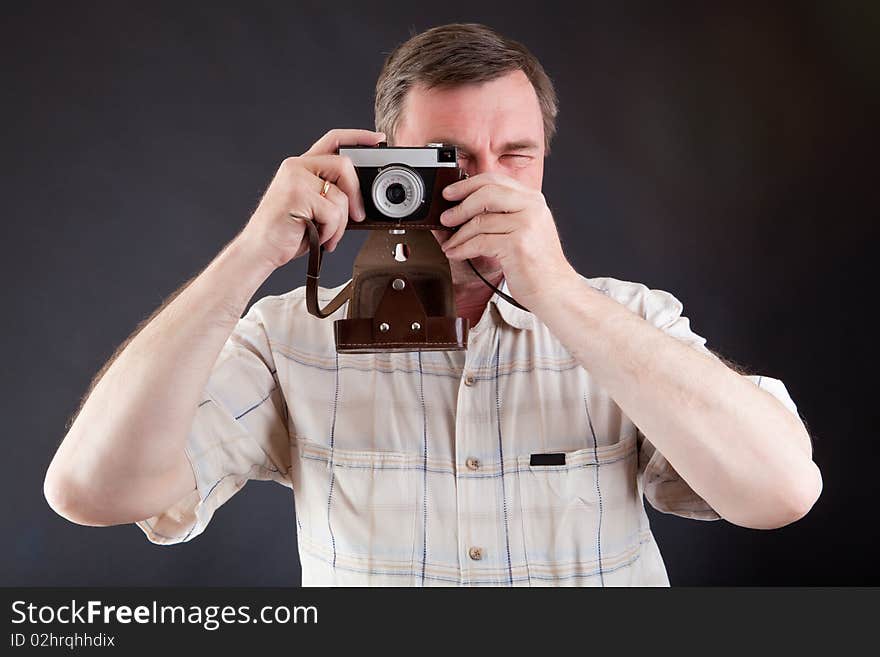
(475, 553)
(473, 464)
(469, 380)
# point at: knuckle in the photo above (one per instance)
(288, 164)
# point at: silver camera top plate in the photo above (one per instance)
(368, 156)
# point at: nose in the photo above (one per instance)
(482, 163)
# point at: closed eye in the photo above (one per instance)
(517, 159)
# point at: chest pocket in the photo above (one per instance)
(357, 509)
(580, 518)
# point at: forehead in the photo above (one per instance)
(497, 111)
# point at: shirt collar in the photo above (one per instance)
(517, 318)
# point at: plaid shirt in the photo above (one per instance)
(416, 468)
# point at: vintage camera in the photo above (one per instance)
(404, 184)
(400, 297)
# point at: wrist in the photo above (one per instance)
(557, 291)
(232, 279)
(247, 259)
(572, 301)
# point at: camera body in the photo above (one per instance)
(400, 297)
(402, 185)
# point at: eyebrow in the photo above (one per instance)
(521, 145)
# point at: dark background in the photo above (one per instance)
(723, 153)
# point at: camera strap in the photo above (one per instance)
(509, 299)
(316, 254)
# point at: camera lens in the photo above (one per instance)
(395, 193)
(398, 191)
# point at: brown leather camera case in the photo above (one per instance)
(400, 295)
(401, 306)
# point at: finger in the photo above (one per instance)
(330, 142)
(462, 188)
(490, 198)
(311, 216)
(327, 216)
(484, 244)
(340, 171)
(340, 200)
(482, 223)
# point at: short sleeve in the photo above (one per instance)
(663, 487)
(239, 432)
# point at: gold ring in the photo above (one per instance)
(325, 188)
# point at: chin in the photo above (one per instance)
(486, 265)
(489, 268)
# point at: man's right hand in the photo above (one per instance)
(123, 458)
(275, 237)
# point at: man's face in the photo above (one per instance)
(497, 125)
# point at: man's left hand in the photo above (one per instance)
(501, 218)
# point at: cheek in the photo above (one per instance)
(531, 176)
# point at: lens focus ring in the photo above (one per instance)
(398, 192)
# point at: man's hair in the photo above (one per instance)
(452, 55)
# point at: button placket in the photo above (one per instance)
(470, 445)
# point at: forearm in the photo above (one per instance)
(736, 445)
(123, 455)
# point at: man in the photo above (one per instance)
(418, 468)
